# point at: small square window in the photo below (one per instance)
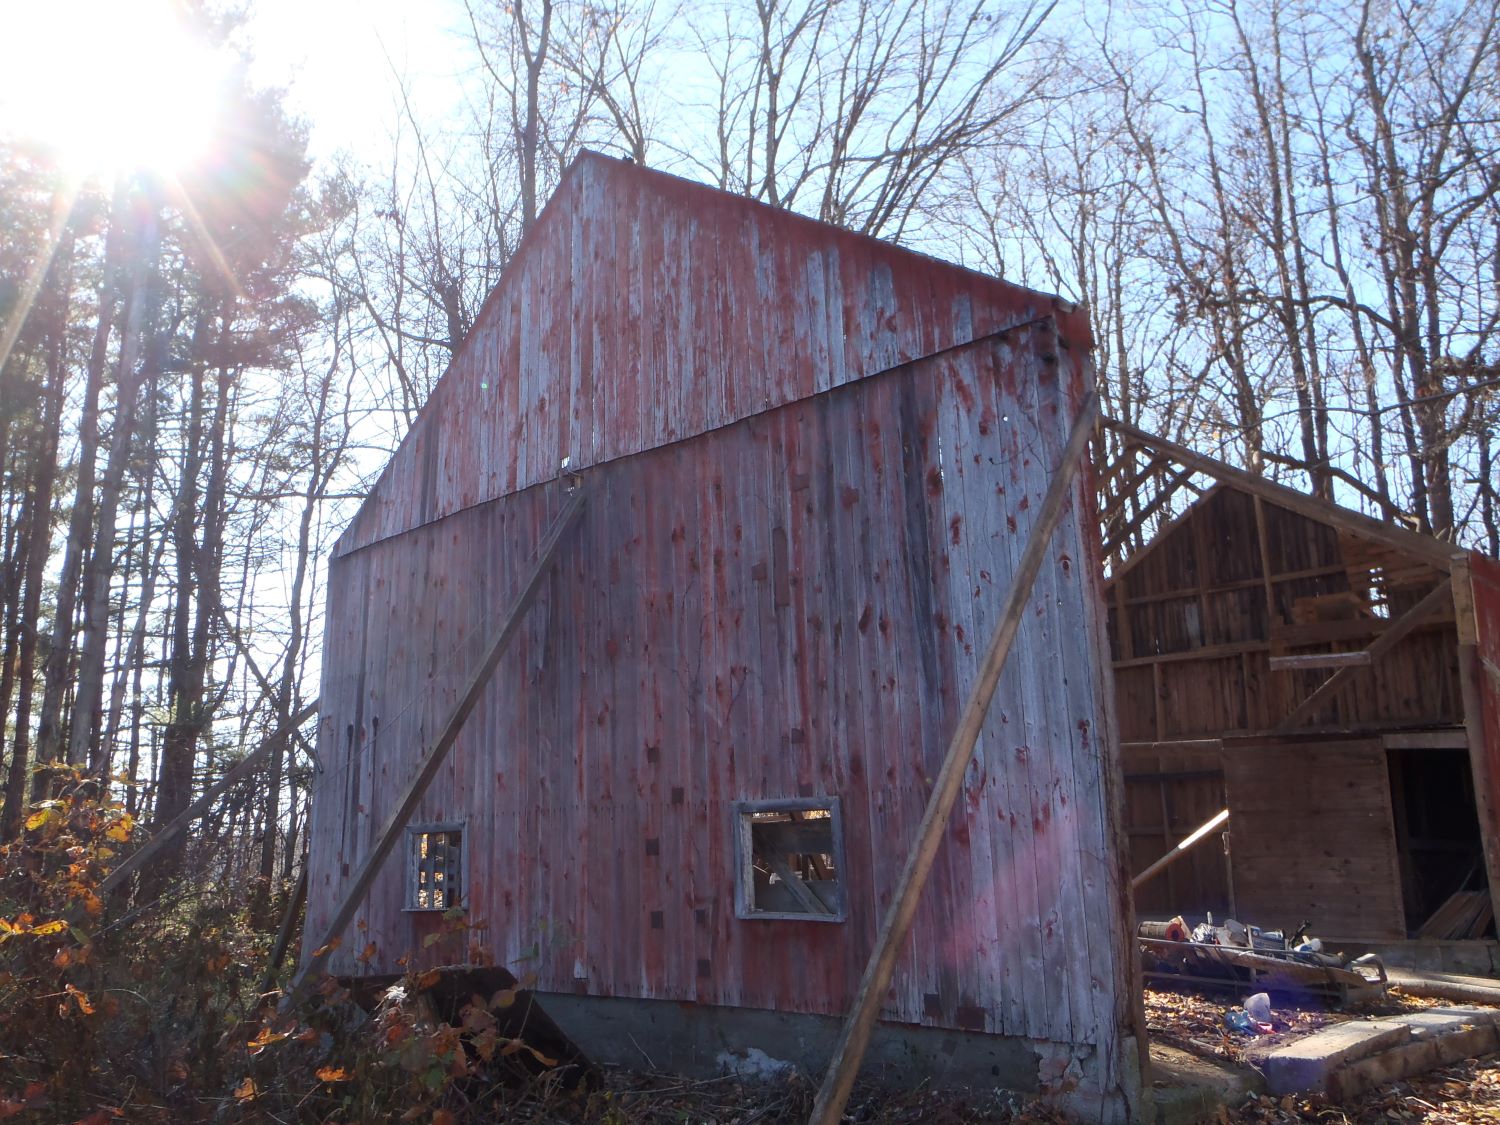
(435, 866)
(790, 860)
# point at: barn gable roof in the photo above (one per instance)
(1421, 548)
(643, 309)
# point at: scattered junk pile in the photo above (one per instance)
(1240, 958)
(1243, 958)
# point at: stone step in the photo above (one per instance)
(1347, 1059)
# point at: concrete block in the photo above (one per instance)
(1445, 1021)
(1345, 1060)
(1307, 1063)
(1437, 1048)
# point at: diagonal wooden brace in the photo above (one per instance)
(1440, 596)
(839, 1081)
(370, 866)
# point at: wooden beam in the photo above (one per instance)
(1439, 596)
(1198, 834)
(1453, 739)
(1129, 487)
(834, 1093)
(1174, 744)
(1303, 660)
(1168, 490)
(1428, 549)
(175, 827)
(1124, 461)
(793, 882)
(1248, 583)
(395, 825)
(288, 927)
(1263, 545)
(1207, 652)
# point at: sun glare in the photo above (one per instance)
(108, 85)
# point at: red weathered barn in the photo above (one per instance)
(689, 787)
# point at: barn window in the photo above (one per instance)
(791, 860)
(435, 866)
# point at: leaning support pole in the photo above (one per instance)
(850, 1052)
(284, 935)
(391, 832)
(178, 824)
(1182, 849)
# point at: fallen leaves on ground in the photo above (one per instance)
(1466, 1093)
(1194, 1021)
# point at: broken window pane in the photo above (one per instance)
(791, 859)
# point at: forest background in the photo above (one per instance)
(1283, 216)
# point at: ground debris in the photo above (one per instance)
(1194, 1021)
(1465, 1093)
(650, 1098)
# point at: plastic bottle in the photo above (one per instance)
(1258, 1007)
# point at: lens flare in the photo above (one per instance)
(108, 87)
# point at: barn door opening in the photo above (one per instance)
(1312, 838)
(1437, 829)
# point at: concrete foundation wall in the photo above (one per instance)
(701, 1041)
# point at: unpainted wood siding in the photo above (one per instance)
(1201, 630)
(1313, 840)
(643, 309)
(792, 605)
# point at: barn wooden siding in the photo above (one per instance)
(792, 605)
(1479, 638)
(1194, 622)
(643, 309)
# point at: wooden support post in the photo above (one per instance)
(1441, 595)
(1124, 634)
(850, 1051)
(284, 934)
(370, 866)
(1263, 545)
(242, 770)
(1182, 849)
(1472, 671)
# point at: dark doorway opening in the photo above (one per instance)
(1437, 829)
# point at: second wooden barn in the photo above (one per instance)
(1329, 679)
(685, 796)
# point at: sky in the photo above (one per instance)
(339, 61)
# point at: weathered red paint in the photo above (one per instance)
(1484, 576)
(811, 463)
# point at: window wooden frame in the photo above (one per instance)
(415, 865)
(744, 852)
